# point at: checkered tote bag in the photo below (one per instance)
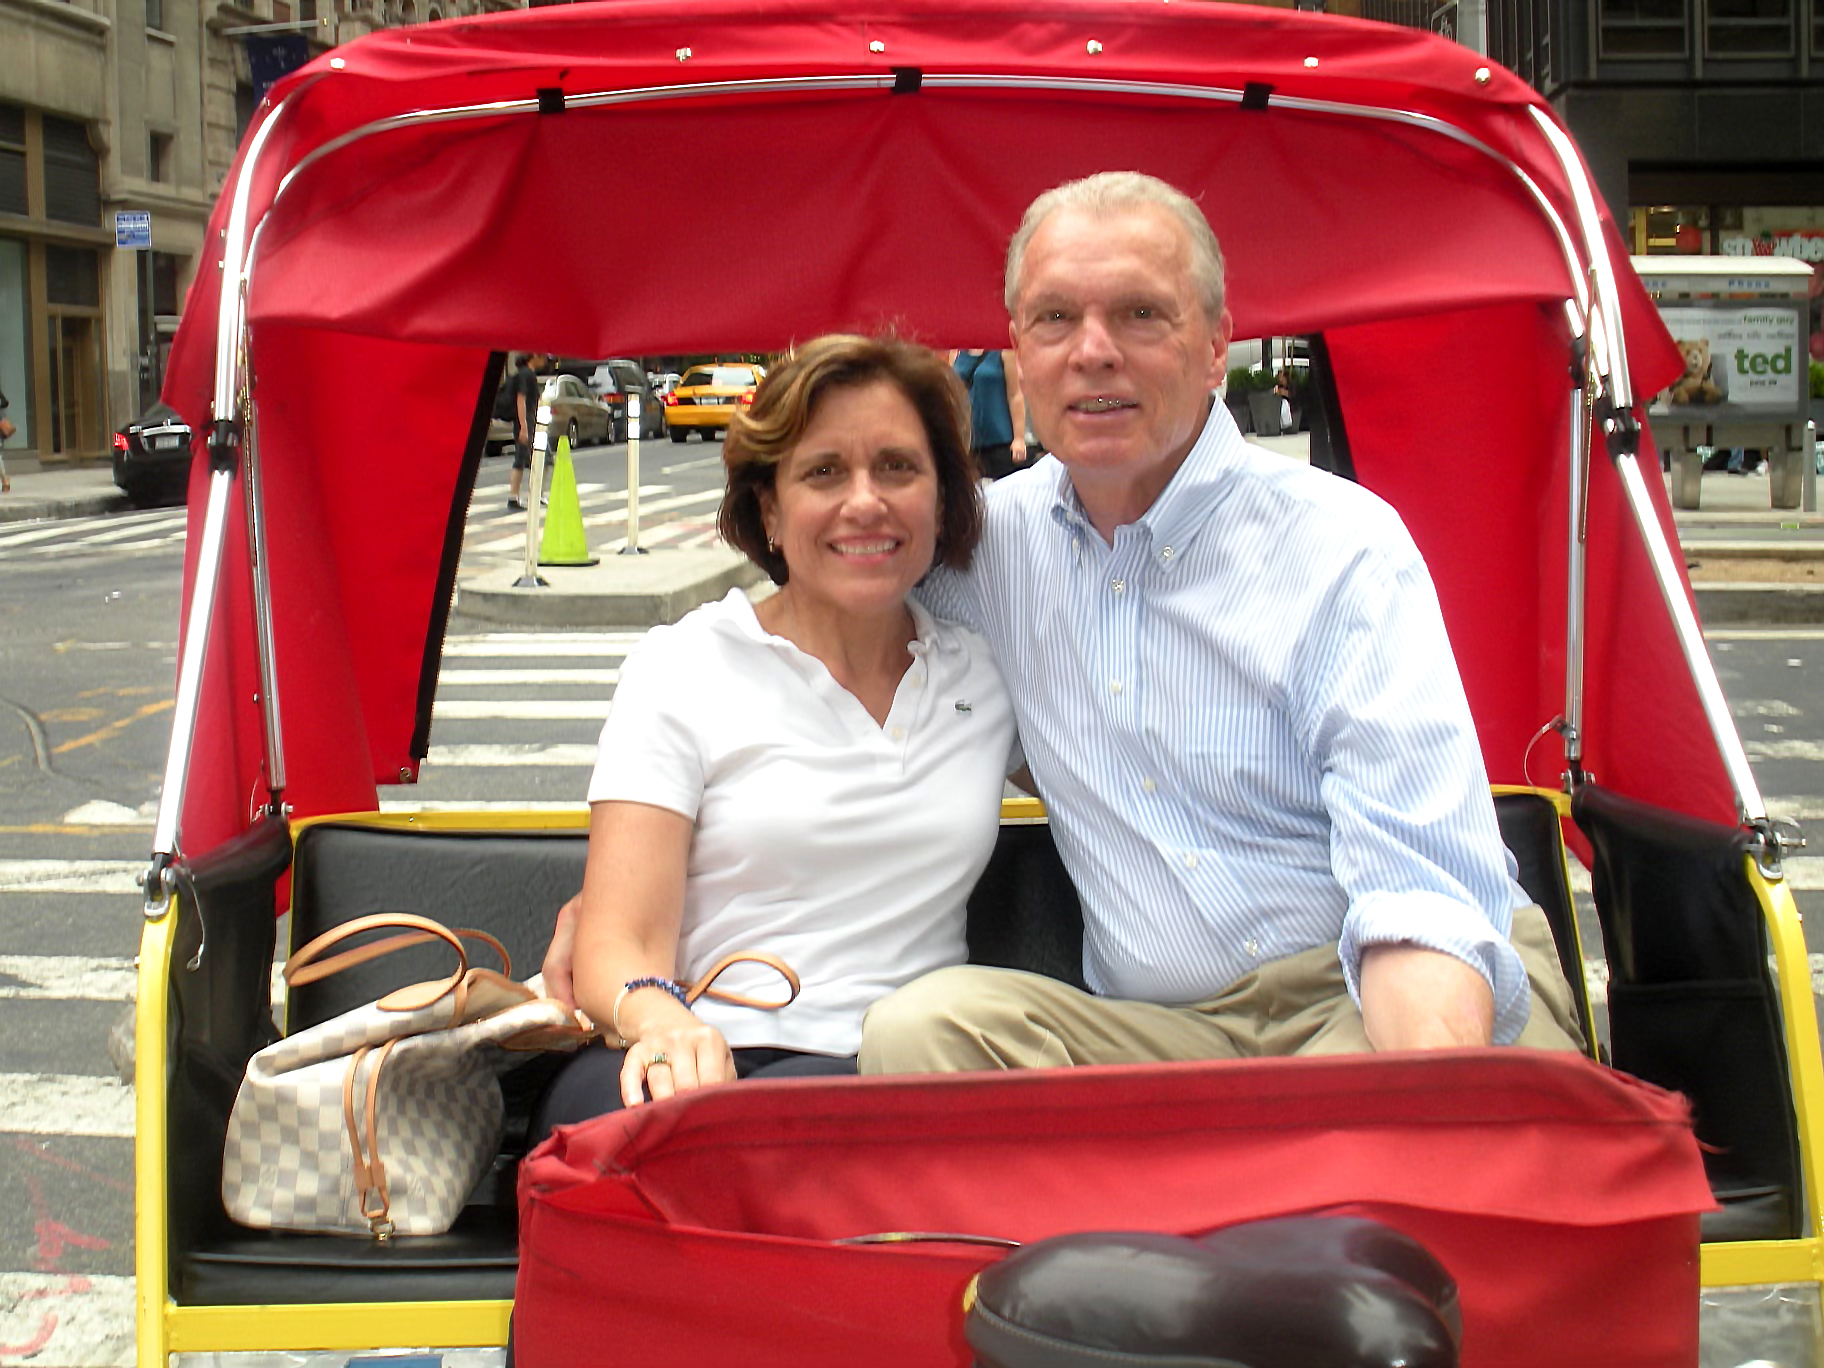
(382, 1120)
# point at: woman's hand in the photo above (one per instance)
(675, 1057)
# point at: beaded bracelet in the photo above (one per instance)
(671, 986)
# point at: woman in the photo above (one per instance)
(997, 410)
(817, 777)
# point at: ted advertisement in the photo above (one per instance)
(1743, 361)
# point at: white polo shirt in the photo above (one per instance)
(844, 847)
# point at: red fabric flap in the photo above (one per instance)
(701, 1230)
(1220, 1142)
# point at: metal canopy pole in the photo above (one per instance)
(1571, 726)
(224, 445)
(1614, 413)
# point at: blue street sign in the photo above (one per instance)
(133, 229)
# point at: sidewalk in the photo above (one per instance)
(60, 492)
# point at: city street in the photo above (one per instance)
(88, 630)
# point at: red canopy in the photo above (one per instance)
(748, 173)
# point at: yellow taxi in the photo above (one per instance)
(707, 397)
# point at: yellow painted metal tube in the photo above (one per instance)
(150, 1227)
(1786, 933)
(341, 1325)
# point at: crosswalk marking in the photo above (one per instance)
(71, 876)
(1783, 750)
(517, 646)
(68, 977)
(1764, 634)
(503, 678)
(411, 805)
(65, 1104)
(521, 709)
(502, 755)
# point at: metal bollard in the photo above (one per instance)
(1808, 478)
(633, 547)
(541, 441)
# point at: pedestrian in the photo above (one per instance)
(6, 430)
(526, 389)
(997, 410)
(1282, 386)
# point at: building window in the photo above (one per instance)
(245, 106)
(1643, 28)
(72, 173)
(15, 351)
(166, 267)
(1748, 28)
(12, 160)
(1519, 37)
(155, 14)
(72, 276)
(159, 148)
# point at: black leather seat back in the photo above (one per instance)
(509, 885)
(1530, 827)
(1024, 912)
(220, 1013)
(1692, 1003)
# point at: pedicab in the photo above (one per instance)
(1480, 358)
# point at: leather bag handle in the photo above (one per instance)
(703, 986)
(306, 965)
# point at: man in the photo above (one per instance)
(1238, 701)
(525, 387)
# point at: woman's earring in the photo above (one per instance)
(772, 547)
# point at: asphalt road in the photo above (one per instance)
(87, 636)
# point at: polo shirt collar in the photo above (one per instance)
(738, 616)
(1185, 504)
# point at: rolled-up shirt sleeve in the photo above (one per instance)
(1414, 841)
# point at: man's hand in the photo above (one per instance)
(561, 957)
(1419, 999)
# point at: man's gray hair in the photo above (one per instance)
(1108, 192)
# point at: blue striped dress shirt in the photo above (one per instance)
(1246, 722)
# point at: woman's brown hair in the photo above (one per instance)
(760, 437)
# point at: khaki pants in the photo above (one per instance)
(972, 1017)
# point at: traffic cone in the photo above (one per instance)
(563, 542)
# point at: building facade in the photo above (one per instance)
(135, 107)
(1702, 120)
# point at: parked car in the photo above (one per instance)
(152, 457)
(579, 414)
(612, 381)
(707, 396)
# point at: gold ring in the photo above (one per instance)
(658, 1058)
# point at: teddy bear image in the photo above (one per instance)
(1695, 386)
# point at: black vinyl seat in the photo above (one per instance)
(1023, 914)
(1693, 1006)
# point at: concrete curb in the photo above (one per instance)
(77, 506)
(623, 591)
(1724, 605)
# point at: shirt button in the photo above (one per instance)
(898, 733)
(1148, 785)
(1119, 586)
(1114, 686)
(1190, 860)
(1167, 553)
(1252, 946)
